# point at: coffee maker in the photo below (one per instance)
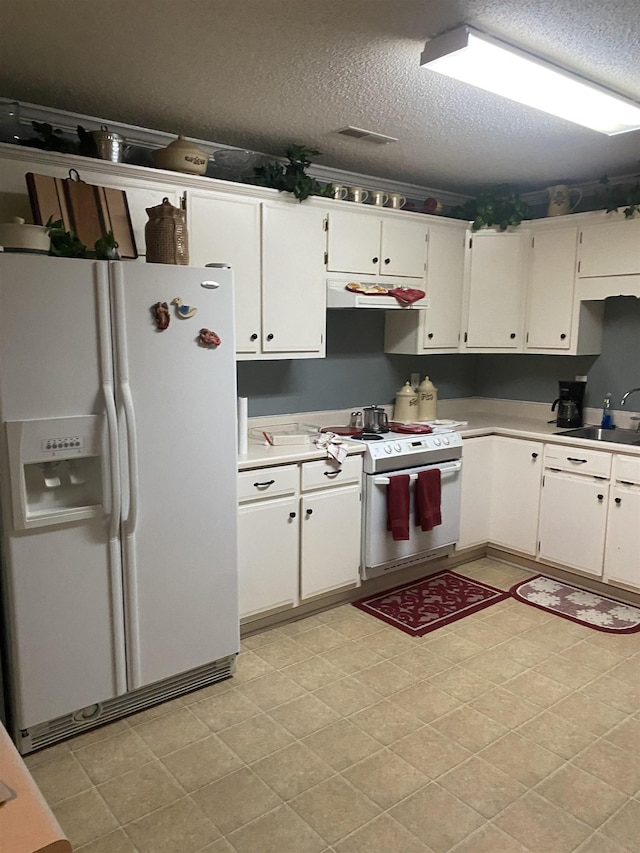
(569, 403)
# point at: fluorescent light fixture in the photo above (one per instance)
(481, 60)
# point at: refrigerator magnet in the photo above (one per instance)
(207, 338)
(161, 315)
(183, 311)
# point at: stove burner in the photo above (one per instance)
(369, 436)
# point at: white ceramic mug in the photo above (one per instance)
(397, 201)
(358, 195)
(560, 200)
(379, 198)
(339, 192)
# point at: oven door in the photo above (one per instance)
(380, 552)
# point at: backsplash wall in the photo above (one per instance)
(356, 371)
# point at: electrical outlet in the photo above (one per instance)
(415, 380)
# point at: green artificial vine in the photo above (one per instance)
(48, 139)
(66, 244)
(291, 177)
(501, 207)
(613, 197)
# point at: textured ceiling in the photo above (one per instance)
(260, 74)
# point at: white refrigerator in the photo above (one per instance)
(118, 468)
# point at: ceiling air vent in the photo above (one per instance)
(369, 135)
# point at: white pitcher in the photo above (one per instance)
(560, 200)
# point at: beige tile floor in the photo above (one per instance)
(510, 731)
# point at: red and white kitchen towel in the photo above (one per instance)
(426, 503)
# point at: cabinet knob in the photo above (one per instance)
(253, 337)
(618, 500)
(375, 260)
(387, 260)
(562, 336)
(534, 455)
(600, 497)
(269, 337)
(430, 335)
(292, 515)
(309, 512)
(512, 335)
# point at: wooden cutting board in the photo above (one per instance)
(89, 210)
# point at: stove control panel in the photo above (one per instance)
(398, 451)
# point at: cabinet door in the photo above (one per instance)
(353, 242)
(496, 285)
(445, 279)
(515, 493)
(475, 504)
(573, 517)
(293, 291)
(622, 552)
(609, 248)
(330, 545)
(403, 247)
(227, 230)
(551, 285)
(268, 541)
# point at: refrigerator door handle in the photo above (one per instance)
(132, 455)
(108, 392)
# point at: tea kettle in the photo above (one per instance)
(375, 420)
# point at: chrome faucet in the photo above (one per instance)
(624, 400)
(627, 393)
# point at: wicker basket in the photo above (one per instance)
(166, 235)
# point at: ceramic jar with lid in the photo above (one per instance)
(427, 400)
(182, 156)
(405, 410)
(17, 236)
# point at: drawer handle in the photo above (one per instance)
(292, 515)
(309, 512)
(331, 473)
(618, 500)
(575, 459)
(264, 485)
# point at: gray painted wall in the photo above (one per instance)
(356, 371)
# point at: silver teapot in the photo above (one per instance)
(375, 420)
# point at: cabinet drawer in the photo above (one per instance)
(267, 482)
(578, 460)
(627, 468)
(326, 472)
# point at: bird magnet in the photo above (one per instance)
(161, 316)
(183, 311)
(207, 338)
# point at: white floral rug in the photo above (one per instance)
(579, 605)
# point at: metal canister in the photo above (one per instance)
(110, 145)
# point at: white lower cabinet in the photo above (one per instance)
(298, 532)
(573, 508)
(515, 493)
(475, 503)
(622, 550)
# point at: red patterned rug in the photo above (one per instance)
(578, 605)
(422, 606)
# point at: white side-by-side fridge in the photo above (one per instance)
(118, 470)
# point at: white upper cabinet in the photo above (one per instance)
(376, 244)
(495, 290)
(225, 229)
(609, 249)
(436, 329)
(293, 296)
(552, 265)
(276, 251)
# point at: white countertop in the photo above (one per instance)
(482, 416)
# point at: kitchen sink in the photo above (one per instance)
(594, 433)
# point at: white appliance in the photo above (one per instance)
(388, 455)
(117, 488)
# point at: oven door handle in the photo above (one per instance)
(445, 470)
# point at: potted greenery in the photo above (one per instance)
(48, 139)
(291, 177)
(625, 195)
(66, 244)
(501, 207)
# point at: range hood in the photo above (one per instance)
(339, 297)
